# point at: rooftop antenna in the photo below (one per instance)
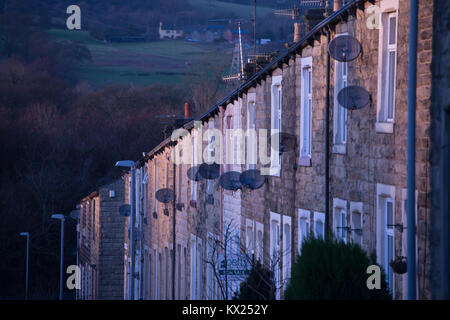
(240, 75)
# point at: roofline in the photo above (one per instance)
(337, 16)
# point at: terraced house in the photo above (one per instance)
(339, 163)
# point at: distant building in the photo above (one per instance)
(170, 33)
(233, 35)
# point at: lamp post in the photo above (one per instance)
(131, 165)
(26, 234)
(61, 217)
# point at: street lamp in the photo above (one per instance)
(26, 234)
(61, 217)
(131, 165)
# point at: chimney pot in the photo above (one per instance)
(337, 5)
(187, 110)
(297, 33)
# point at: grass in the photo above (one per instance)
(141, 63)
(239, 10)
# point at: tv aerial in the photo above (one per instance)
(353, 97)
(252, 179)
(344, 48)
(230, 180)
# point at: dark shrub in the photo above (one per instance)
(331, 269)
(258, 286)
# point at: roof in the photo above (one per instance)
(320, 29)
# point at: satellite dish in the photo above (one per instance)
(164, 195)
(193, 173)
(344, 48)
(353, 97)
(209, 171)
(75, 214)
(125, 210)
(230, 180)
(252, 179)
(288, 142)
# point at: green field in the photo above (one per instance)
(141, 63)
(240, 10)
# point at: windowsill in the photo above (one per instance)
(339, 148)
(305, 162)
(384, 127)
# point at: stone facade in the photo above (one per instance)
(101, 238)
(367, 165)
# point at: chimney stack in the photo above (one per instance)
(297, 32)
(337, 5)
(187, 110)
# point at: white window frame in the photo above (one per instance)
(319, 217)
(199, 265)
(339, 112)
(384, 123)
(356, 207)
(251, 131)
(276, 118)
(384, 193)
(306, 112)
(339, 207)
(287, 249)
(259, 243)
(212, 286)
(303, 215)
(210, 183)
(155, 185)
(275, 235)
(249, 237)
(194, 163)
(193, 265)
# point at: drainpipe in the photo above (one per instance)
(174, 230)
(327, 144)
(411, 170)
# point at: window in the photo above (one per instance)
(259, 241)
(194, 162)
(212, 288)
(340, 219)
(249, 238)
(211, 156)
(356, 222)
(155, 185)
(228, 143)
(193, 268)
(340, 113)
(389, 240)
(385, 230)
(251, 131)
(342, 231)
(319, 225)
(275, 249)
(306, 112)
(275, 156)
(303, 227)
(155, 282)
(199, 269)
(287, 249)
(387, 66)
